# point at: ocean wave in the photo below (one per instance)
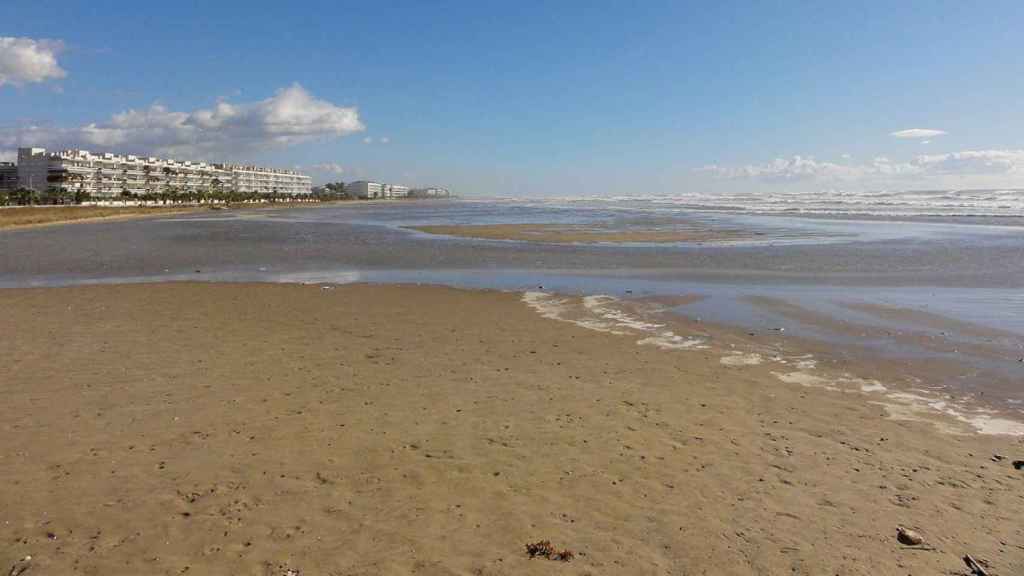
(939, 203)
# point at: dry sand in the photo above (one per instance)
(34, 216)
(257, 429)
(29, 216)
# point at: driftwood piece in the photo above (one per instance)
(973, 566)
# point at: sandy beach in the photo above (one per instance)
(33, 216)
(13, 217)
(366, 429)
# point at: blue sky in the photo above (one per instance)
(554, 98)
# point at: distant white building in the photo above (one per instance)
(395, 191)
(111, 175)
(365, 189)
(368, 190)
(429, 193)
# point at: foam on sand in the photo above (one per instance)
(807, 379)
(608, 314)
(602, 306)
(919, 405)
(669, 340)
(603, 313)
(741, 359)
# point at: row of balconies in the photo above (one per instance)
(177, 169)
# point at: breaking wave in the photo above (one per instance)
(948, 203)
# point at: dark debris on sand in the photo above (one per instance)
(544, 549)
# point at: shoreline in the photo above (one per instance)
(385, 429)
(907, 387)
(143, 212)
(581, 234)
(923, 388)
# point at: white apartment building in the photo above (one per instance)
(267, 180)
(395, 191)
(111, 175)
(365, 189)
(375, 190)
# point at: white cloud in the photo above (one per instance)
(289, 117)
(385, 140)
(917, 133)
(795, 168)
(328, 167)
(973, 162)
(968, 162)
(25, 61)
(8, 155)
(368, 140)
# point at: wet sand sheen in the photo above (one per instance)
(924, 319)
(387, 429)
(583, 234)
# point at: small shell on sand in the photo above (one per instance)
(908, 537)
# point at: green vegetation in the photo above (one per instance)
(65, 189)
(332, 191)
(60, 195)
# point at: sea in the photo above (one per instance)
(888, 204)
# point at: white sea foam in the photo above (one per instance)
(872, 386)
(741, 359)
(602, 306)
(807, 379)
(839, 202)
(671, 341)
(546, 305)
(806, 362)
(921, 405)
(604, 313)
(997, 426)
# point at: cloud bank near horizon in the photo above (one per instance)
(291, 116)
(29, 61)
(801, 168)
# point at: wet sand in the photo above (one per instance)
(927, 347)
(366, 429)
(582, 234)
(931, 320)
